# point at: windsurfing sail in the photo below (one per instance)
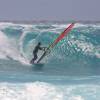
(60, 37)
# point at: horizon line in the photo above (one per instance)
(52, 21)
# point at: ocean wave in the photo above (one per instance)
(18, 41)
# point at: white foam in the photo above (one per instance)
(8, 49)
(79, 25)
(29, 91)
(87, 48)
(95, 26)
(14, 26)
(46, 91)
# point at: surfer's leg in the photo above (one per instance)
(35, 57)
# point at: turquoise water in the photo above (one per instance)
(70, 72)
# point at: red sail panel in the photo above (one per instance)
(66, 31)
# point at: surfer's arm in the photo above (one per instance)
(40, 48)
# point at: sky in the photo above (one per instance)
(50, 10)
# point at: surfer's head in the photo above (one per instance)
(39, 43)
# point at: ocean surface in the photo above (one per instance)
(70, 72)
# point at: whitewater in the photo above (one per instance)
(70, 72)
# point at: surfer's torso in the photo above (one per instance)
(36, 49)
